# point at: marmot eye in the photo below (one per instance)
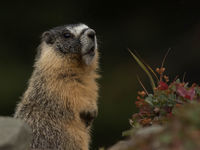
(67, 35)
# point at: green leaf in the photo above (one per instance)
(178, 81)
(173, 88)
(197, 89)
(149, 99)
(186, 85)
(145, 69)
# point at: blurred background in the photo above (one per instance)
(149, 27)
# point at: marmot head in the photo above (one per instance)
(77, 40)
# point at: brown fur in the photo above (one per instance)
(60, 88)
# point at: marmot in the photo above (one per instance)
(60, 102)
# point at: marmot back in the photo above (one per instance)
(60, 102)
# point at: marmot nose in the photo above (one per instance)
(91, 34)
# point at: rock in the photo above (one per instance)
(14, 134)
(139, 137)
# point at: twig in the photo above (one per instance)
(165, 57)
(161, 76)
(142, 85)
(184, 76)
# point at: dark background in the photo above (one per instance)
(150, 28)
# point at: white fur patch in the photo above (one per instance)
(77, 29)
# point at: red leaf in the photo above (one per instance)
(162, 85)
(189, 94)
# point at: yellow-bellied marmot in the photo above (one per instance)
(60, 102)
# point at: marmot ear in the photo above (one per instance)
(48, 37)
